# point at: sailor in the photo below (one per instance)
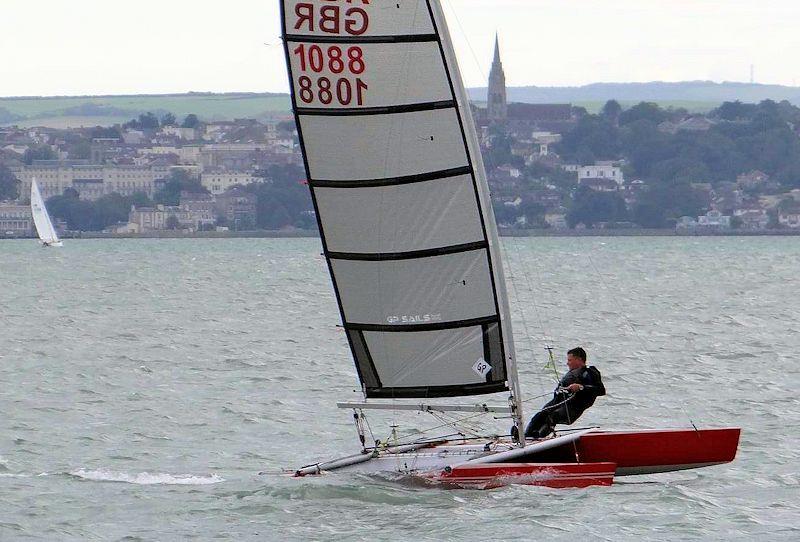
(575, 393)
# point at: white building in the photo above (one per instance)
(91, 181)
(133, 137)
(187, 154)
(601, 170)
(186, 217)
(15, 219)
(789, 216)
(544, 140)
(218, 182)
(714, 220)
(180, 133)
(557, 221)
(752, 219)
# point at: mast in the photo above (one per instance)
(490, 225)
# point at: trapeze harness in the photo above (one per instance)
(566, 407)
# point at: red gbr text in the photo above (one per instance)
(335, 17)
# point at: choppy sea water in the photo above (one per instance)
(145, 384)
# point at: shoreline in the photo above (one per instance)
(290, 234)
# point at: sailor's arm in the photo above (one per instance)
(596, 388)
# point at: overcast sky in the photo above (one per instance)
(58, 47)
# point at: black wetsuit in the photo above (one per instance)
(566, 407)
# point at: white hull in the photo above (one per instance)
(438, 456)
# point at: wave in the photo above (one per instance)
(146, 478)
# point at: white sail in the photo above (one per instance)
(44, 226)
(401, 198)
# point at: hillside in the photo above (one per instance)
(75, 111)
(691, 94)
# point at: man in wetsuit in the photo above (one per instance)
(575, 393)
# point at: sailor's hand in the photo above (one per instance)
(575, 387)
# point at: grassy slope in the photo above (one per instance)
(68, 122)
(208, 107)
(53, 112)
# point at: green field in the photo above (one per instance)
(76, 111)
(104, 110)
(69, 122)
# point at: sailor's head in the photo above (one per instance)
(576, 358)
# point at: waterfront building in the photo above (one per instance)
(789, 215)
(90, 180)
(714, 221)
(189, 215)
(238, 208)
(15, 220)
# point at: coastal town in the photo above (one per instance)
(550, 167)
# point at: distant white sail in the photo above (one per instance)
(400, 192)
(44, 226)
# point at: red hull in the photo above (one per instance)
(649, 451)
(644, 452)
(557, 475)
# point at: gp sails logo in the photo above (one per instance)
(414, 319)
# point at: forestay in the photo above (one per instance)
(44, 227)
(400, 194)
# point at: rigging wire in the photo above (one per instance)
(642, 344)
(478, 64)
(515, 288)
(551, 362)
(455, 421)
(547, 338)
(512, 275)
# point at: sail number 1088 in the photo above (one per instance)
(337, 60)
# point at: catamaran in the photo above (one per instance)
(41, 219)
(408, 232)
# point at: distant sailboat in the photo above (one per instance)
(44, 226)
(401, 197)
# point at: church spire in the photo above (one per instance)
(497, 108)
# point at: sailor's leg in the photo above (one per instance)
(540, 425)
(566, 414)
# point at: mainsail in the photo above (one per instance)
(44, 227)
(400, 194)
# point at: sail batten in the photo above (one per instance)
(383, 110)
(391, 181)
(436, 326)
(411, 255)
(400, 196)
(416, 38)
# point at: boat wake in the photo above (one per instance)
(146, 478)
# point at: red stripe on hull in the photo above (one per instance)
(492, 475)
(642, 452)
